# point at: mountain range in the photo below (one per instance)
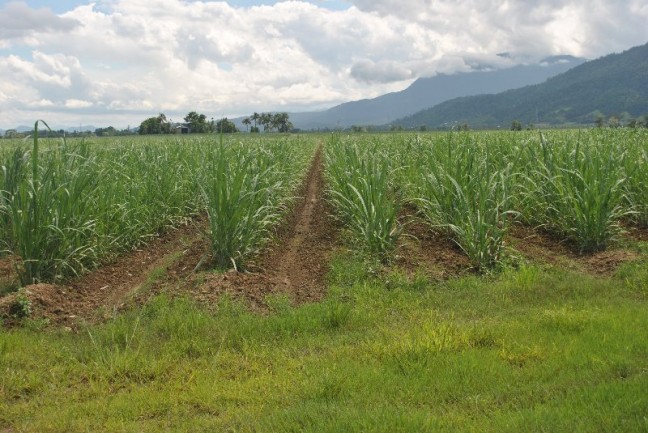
(83, 128)
(614, 85)
(429, 91)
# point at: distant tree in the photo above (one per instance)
(396, 128)
(463, 127)
(197, 122)
(12, 133)
(162, 119)
(149, 126)
(266, 120)
(624, 118)
(155, 125)
(106, 132)
(614, 122)
(599, 121)
(423, 128)
(247, 122)
(632, 123)
(255, 118)
(282, 122)
(226, 126)
(516, 125)
(270, 121)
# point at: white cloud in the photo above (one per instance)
(122, 60)
(19, 21)
(77, 103)
(380, 72)
(588, 28)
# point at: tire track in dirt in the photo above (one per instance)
(296, 264)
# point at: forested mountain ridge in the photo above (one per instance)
(614, 85)
(428, 91)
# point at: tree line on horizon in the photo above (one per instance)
(270, 121)
(197, 123)
(194, 122)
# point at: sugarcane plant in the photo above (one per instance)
(361, 190)
(576, 189)
(464, 191)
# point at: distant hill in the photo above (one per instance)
(427, 92)
(84, 128)
(611, 85)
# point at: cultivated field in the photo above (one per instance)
(464, 281)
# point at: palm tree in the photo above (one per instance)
(164, 125)
(255, 118)
(247, 121)
(266, 121)
(282, 122)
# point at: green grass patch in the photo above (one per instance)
(529, 349)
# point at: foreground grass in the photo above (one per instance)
(531, 349)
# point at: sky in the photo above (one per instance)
(118, 62)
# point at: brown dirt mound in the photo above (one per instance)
(540, 247)
(8, 278)
(636, 233)
(7, 270)
(607, 262)
(423, 250)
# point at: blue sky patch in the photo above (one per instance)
(62, 6)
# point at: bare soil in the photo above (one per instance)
(9, 281)
(636, 233)
(540, 247)
(422, 250)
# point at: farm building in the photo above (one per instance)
(180, 128)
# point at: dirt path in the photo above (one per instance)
(301, 264)
(295, 264)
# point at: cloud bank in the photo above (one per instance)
(117, 62)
